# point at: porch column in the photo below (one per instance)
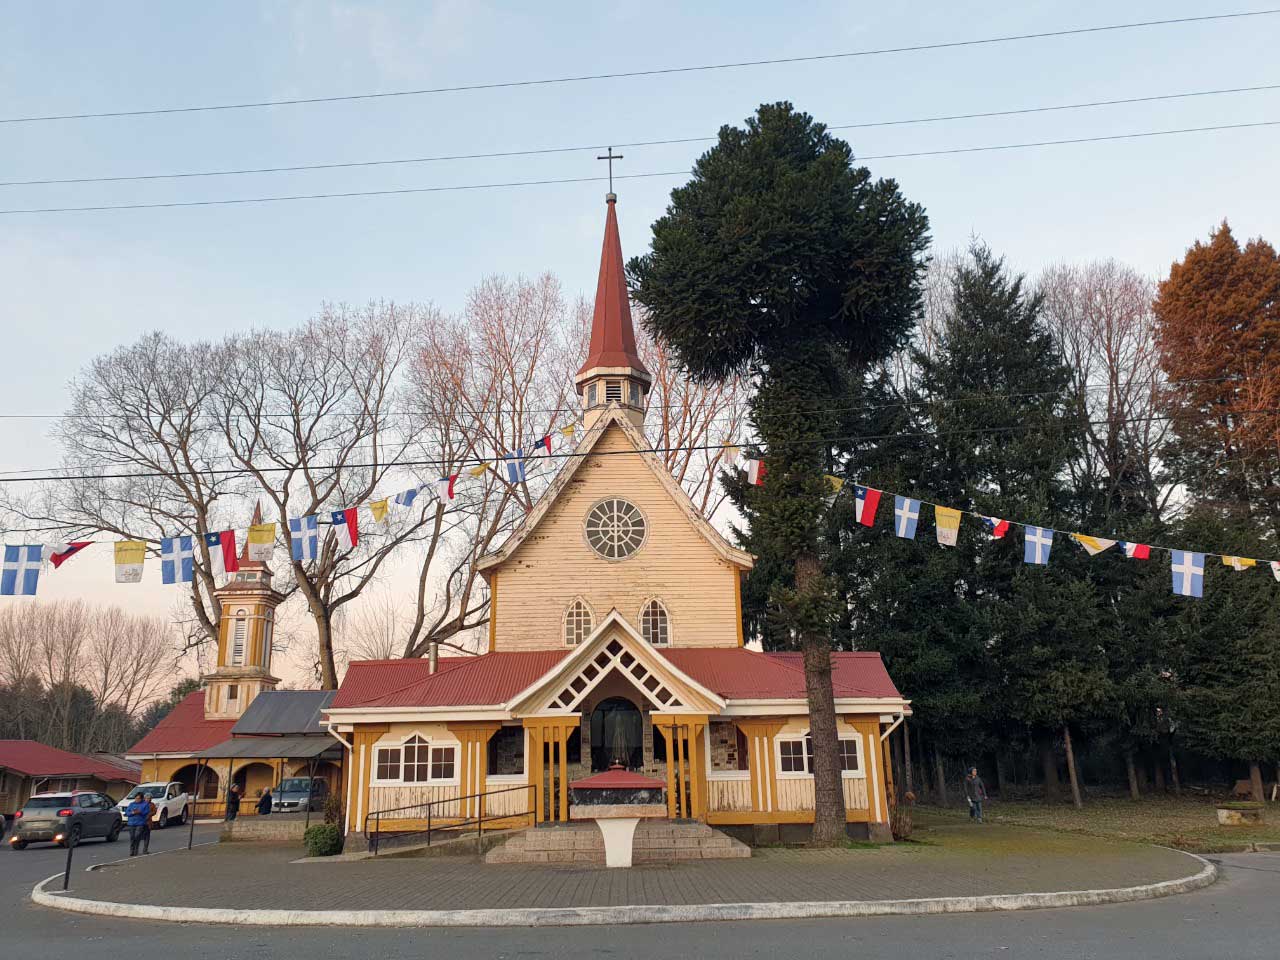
(686, 756)
(473, 762)
(543, 775)
(764, 782)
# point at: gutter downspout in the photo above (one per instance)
(893, 726)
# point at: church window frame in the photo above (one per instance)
(592, 394)
(578, 623)
(239, 635)
(798, 752)
(634, 396)
(655, 616)
(615, 529)
(415, 761)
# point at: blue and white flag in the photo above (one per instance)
(515, 466)
(304, 536)
(906, 512)
(1037, 542)
(406, 498)
(21, 571)
(1188, 573)
(177, 559)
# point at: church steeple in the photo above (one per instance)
(613, 372)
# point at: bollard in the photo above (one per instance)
(71, 845)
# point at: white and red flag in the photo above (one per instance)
(446, 488)
(996, 527)
(755, 472)
(60, 553)
(865, 509)
(346, 525)
(222, 548)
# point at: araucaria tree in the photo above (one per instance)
(783, 260)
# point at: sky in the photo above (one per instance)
(74, 285)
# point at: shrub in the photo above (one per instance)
(332, 809)
(323, 840)
(1241, 805)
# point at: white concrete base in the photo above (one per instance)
(619, 839)
(583, 916)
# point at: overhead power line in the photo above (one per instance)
(544, 151)
(653, 72)
(402, 191)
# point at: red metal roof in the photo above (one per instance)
(613, 338)
(491, 678)
(367, 680)
(35, 759)
(184, 730)
(736, 673)
(617, 780)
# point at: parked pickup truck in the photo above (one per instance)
(171, 800)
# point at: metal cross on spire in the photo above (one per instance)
(610, 156)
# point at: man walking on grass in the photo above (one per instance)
(975, 791)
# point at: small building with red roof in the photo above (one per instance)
(615, 643)
(28, 767)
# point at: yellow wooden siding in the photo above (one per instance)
(725, 795)
(393, 798)
(676, 564)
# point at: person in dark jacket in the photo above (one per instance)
(264, 803)
(975, 791)
(139, 814)
(233, 802)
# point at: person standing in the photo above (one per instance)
(138, 815)
(264, 803)
(975, 791)
(233, 802)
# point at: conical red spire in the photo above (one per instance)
(613, 338)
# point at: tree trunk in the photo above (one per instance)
(324, 639)
(828, 791)
(1000, 777)
(1160, 787)
(920, 766)
(1071, 768)
(1132, 769)
(907, 770)
(1255, 781)
(1049, 763)
(1173, 769)
(941, 774)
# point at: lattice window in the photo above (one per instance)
(442, 763)
(615, 529)
(417, 760)
(848, 755)
(655, 625)
(388, 763)
(615, 657)
(578, 623)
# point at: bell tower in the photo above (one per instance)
(612, 373)
(248, 604)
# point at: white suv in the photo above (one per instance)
(172, 803)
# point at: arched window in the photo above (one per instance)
(417, 761)
(655, 626)
(237, 641)
(578, 622)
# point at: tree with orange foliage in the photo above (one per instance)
(1218, 331)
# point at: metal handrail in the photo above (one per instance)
(478, 821)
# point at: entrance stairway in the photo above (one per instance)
(656, 841)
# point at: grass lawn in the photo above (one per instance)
(1189, 824)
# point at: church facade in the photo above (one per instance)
(615, 640)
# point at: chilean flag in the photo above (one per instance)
(223, 545)
(755, 472)
(865, 510)
(996, 527)
(347, 527)
(543, 446)
(445, 488)
(59, 553)
(1136, 551)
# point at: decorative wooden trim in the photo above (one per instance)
(737, 602)
(493, 611)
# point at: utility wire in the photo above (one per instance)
(236, 201)
(463, 462)
(545, 151)
(662, 71)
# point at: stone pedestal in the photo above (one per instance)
(617, 800)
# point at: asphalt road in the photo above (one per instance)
(1233, 920)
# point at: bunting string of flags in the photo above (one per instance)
(1187, 567)
(23, 563)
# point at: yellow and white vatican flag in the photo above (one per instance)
(1092, 545)
(378, 508)
(731, 455)
(568, 431)
(478, 471)
(130, 555)
(261, 541)
(947, 520)
(1239, 563)
(834, 483)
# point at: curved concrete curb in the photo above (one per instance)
(587, 916)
